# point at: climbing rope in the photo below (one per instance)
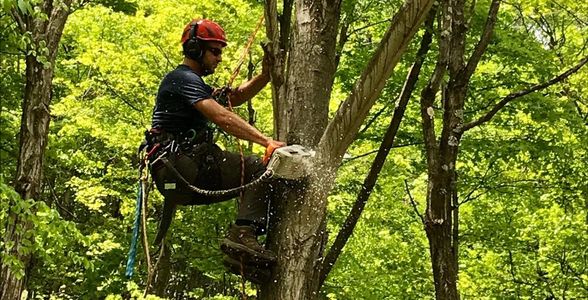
(245, 51)
(231, 80)
(140, 219)
(135, 237)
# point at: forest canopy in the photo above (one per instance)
(522, 192)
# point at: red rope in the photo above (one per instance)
(233, 76)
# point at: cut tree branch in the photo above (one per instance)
(341, 131)
(383, 151)
(484, 39)
(489, 115)
(278, 31)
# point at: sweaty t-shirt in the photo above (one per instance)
(174, 109)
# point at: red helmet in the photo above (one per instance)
(204, 30)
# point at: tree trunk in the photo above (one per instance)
(298, 238)
(296, 233)
(441, 217)
(443, 258)
(297, 229)
(33, 138)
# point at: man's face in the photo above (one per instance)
(212, 56)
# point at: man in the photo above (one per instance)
(181, 123)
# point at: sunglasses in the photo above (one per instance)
(215, 51)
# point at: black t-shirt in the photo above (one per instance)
(174, 109)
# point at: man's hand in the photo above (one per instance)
(222, 95)
(271, 146)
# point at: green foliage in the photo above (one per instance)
(522, 177)
(47, 239)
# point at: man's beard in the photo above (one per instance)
(207, 71)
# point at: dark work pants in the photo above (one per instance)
(208, 167)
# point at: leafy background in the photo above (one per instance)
(523, 178)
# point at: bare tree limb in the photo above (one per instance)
(369, 123)
(427, 111)
(383, 151)
(346, 160)
(19, 21)
(343, 128)
(471, 13)
(343, 37)
(571, 13)
(285, 24)
(117, 94)
(58, 17)
(489, 115)
(484, 39)
(413, 203)
(165, 54)
(369, 25)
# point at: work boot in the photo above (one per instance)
(251, 273)
(241, 244)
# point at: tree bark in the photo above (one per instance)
(33, 137)
(441, 215)
(295, 233)
(297, 229)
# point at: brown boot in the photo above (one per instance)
(241, 244)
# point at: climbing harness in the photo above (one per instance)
(290, 162)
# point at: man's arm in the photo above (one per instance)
(233, 124)
(248, 89)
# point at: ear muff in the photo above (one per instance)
(192, 47)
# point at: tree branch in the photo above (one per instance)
(278, 50)
(55, 24)
(369, 25)
(484, 39)
(374, 118)
(341, 131)
(343, 37)
(413, 203)
(489, 115)
(346, 160)
(19, 21)
(383, 151)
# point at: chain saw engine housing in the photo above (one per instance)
(291, 162)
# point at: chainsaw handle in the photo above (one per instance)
(271, 147)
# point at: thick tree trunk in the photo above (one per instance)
(443, 258)
(312, 70)
(34, 130)
(298, 238)
(297, 232)
(33, 141)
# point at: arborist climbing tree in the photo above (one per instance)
(182, 152)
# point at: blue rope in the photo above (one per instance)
(133, 251)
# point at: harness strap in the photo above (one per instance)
(266, 175)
